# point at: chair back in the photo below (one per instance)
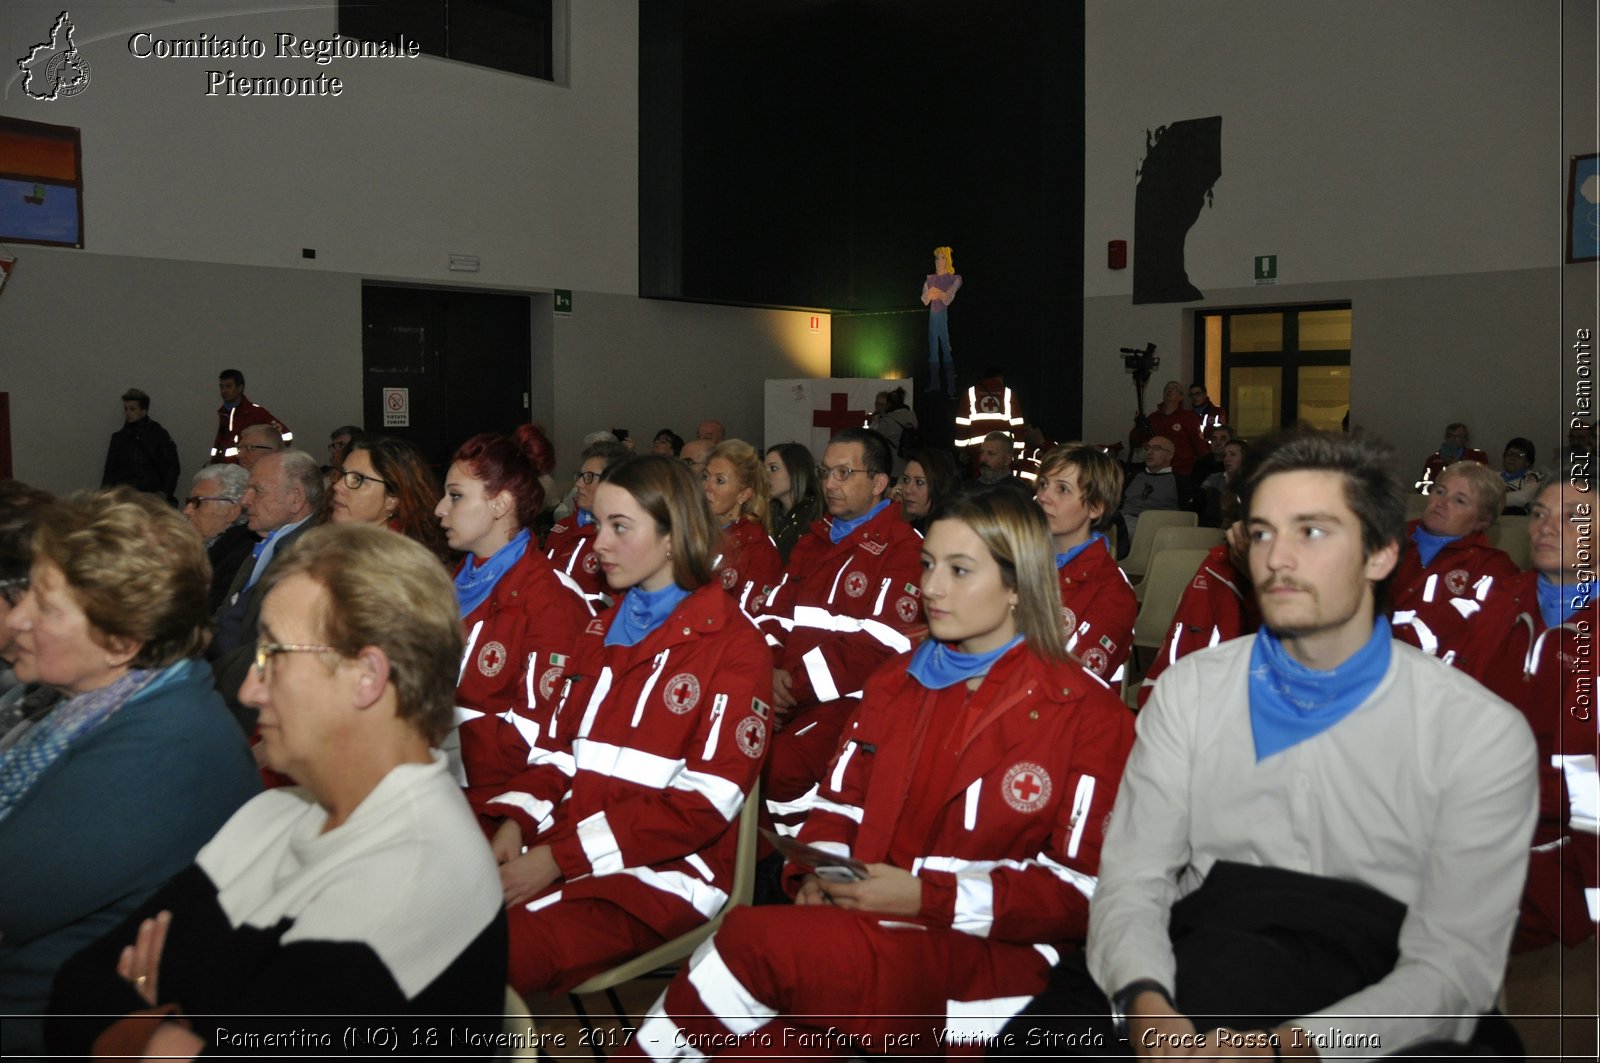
(1179, 537)
(1510, 533)
(1170, 573)
(1144, 536)
(669, 952)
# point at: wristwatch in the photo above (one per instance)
(1124, 997)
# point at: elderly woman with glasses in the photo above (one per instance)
(113, 792)
(364, 890)
(1523, 481)
(387, 482)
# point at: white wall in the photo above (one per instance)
(1407, 157)
(196, 211)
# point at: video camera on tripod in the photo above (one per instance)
(1141, 362)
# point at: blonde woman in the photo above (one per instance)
(966, 801)
(736, 491)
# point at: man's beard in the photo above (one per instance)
(991, 476)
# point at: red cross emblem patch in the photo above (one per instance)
(1070, 619)
(548, 681)
(751, 734)
(906, 608)
(682, 693)
(1095, 660)
(855, 584)
(591, 562)
(730, 578)
(1026, 787)
(491, 658)
(1455, 581)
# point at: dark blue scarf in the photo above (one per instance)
(841, 528)
(584, 518)
(1429, 544)
(477, 579)
(1557, 601)
(936, 666)
(1290, 703)
(1063, 560)
(641, 612)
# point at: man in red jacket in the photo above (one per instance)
(847, 602)
(1178, 423)
(235, 415)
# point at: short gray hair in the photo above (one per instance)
(300, 467)
(231, 480)
(999, 437)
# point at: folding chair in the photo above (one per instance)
(1178, 537)
(1151, 521)
(662, 960)
(1170, 573)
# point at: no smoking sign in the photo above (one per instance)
(397, 407)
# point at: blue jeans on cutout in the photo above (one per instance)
(939, 335)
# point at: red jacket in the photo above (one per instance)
(1034, 756)
(1218, 605)
(571, 547)
(647, 758)
(842, 609)
(1182, 427)
(750, 565)
(225, 447)
(1548, 673)
(1435, 607)
(519, 642)
(1099, 608)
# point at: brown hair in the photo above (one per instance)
(408, 480)
(665, 488)
(135, 568)
(1099, 477)
(385, 590)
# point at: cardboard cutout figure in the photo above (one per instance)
(938, 292)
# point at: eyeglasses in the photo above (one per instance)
(195, 500)
(12, 590)
(585, 478)
(354, 480)
(1516, 454)
(265, 651)
(838, 474)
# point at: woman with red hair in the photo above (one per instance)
(522, 616)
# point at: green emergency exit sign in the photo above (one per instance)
(563, 302)
(1266, 269)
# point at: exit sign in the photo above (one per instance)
(563, 302)
(1266, 269)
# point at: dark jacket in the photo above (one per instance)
(143, 456)
(231, 550)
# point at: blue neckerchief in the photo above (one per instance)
(641, 612)
(477, 579)
(1290, 703)
(1450, 453)
(1063, 560)
(936, 666)
(1557, 601)
(1512, 477)
(584, 518)
(265, 551)
(1429, 544)
(841, 528)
